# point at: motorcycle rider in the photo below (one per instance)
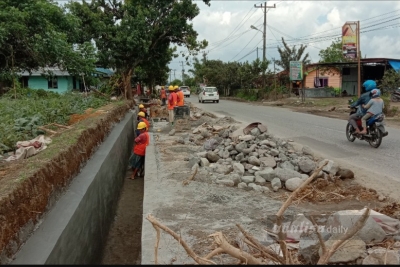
(375, 106)
(368, 86)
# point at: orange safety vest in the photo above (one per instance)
(140, 149)
(172, 100)
(180, 99)
(163, 95)
(147, 124)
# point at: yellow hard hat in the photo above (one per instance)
(176, 87)
(141, 125)
(141, 106)
(141, 114)
(171, 88)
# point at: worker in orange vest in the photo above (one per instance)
(144, 110)
(172, 101)
(181, 97)
(141, 118)
(163, 96)
(139, 149)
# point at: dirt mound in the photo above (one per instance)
(337, 190)
(74, 118)
(391, 210)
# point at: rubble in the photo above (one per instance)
(261, 163)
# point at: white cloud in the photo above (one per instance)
(294, 20)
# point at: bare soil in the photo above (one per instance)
(28, 188)
(123, 245)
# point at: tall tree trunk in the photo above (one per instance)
(126, 78)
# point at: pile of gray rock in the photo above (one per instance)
(255, 160)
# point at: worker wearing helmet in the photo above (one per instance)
(139, 149)
(163, 96)
(141, 118)
(181, 97)
(374, 107)
(368, 86)
(144, 110)
(172, 101)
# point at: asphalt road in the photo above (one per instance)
(324, 135)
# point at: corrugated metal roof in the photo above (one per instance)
(44, 71)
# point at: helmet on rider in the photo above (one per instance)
(171, 88)
(369, 85)
(375, 93)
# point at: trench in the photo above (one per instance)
(98, 219)
(123, 245)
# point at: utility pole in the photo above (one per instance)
(359, 60)
(276, 98)
(257, 52)
(183, 72)
(170, 73)
(264, 33)
(174, 75)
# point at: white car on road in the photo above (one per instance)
(208, 94)
(185, 90)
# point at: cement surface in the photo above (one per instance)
(197, 210)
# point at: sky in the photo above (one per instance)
(314, 23)
(225, 24)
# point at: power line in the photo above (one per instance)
(253, 50)
(231, 41)
(245, 46)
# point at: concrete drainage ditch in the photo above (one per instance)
(75, 230)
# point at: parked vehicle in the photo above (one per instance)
(375, 130)
(209, 94)
(395, 96)
(185, 90)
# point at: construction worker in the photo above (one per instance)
(172, 101)
(144, 110)
(139, 149)
(141, 118)
(180, 95)
(163, 96)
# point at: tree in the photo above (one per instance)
(137, 31)
(36, 34)
(288, 54)
(390, 81)
(333, 53)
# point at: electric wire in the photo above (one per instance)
(245, 46)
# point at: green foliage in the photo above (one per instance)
(139, 46)
(250, 95)
(20, 117)
(333, 53)
(176, 82)
(288, 54)
(35, 34)
(386, 108)
(390, 81)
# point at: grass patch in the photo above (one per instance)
(21, 116)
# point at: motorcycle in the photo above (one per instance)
(395, 96)
(375, 130)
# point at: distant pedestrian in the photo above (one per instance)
(163, 96)
(139, 149)
(172, 101)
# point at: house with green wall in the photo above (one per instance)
(61, 81)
